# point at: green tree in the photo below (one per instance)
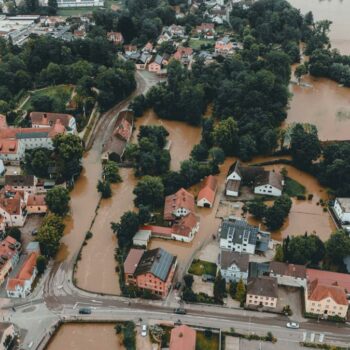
(41, 263)
(15, 233)
(240, 291)
(279, 254)
(257, 208)
(188, 279)
(111, 172)
(300, 71)
(104, 187)
(57, 200)
(200, 152)
(149, 191)
(217, 155)
(50, 234)
(275, 215)
(219, 287)
(126, 228)
(226, 136)
(37, 161)
(338, 247)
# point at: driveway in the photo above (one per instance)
(202, 287)
(290, 296)
(33, 222)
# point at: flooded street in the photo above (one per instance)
(86, 337)
(336, 11)
(324, 104)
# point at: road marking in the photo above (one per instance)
(96, 301)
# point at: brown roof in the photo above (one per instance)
(185, 225)
(8, 249)
(263, 286)
(49, 119)
(132, 260)
(284, 269)
(269, 178)
(205, 27)
(182, 338)
(228, 258)
(11, 205)
(318, 291)
(36, 199)
(19, 180)
(233, 185)
(329, 278)
(209, 189)
(180, 199)
(8, 146)
(183, 51)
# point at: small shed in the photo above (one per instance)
(142, 238)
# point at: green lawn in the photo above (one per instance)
(59, 92)
(293, 188)
(200, 267)
(75, 11)
(204, 343)
(196, 44)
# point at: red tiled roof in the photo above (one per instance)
(285, 269)
(185, 225)
(132, 260)
(11, 133)
(44, 118)
(318, 291)
(329, 278)
(209, 189)
(8, 146)
(3, 121)
(36, 199)
(123, 130)
(11, 205)
(183, 51)
(115, 36)
(159, 230)
(180, 199)
(205, 27)
(5, 249)
(182, 338)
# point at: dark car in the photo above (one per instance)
(178, 285)
(180, 311)
(85, 311)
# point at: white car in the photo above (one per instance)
(144, 330)
(293, 325)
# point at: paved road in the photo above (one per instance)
(56, 298)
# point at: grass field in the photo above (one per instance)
(204, 343)
(200, 267)
(196, 44)
(60, 92)
(75, 11)
(293, 188)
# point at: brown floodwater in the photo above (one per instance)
(305, 215)
(336, 11)
(86, 337)
(324, 103)
(182, 136)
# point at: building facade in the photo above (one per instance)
(288, 274)
(342, 210)
(262, 292)
(233, 266)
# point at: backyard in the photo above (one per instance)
(196, 44)
(207, 341)
(200, 267)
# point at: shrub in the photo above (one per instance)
(88, 235)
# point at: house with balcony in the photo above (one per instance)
(233, 266)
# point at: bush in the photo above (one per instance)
(310, 196)
(208, 333)
(88, 235)
(15, 233)
(301, 197)
(41, 263)
(188, 279)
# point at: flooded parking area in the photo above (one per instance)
(86, 337)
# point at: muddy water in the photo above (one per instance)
(325, 104)
(96, 269)
(86, 337)
(305, 215)
(336, 11)
(182, 136)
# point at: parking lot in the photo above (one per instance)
(33, 222)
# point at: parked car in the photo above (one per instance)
(180, 311)
(208, 278)
(34, 232)
(144, 330)
(178, 285)
(85, 311)
(293, 325)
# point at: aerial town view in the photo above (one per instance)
(174, 174)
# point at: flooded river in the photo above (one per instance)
(86, 337)
(325, 104)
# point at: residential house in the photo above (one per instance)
(206, 56)
(13, 210)
(7, 335)
(341, 209)
(44, 119)
(262, 292)
(36, 204)
(176, 30)
(21, 285)
(237, 235)
(25, 183)
(11, 151)
(158, 63)
(182, 338)
(154, 272)
(263, 182)
(142, 62)
(184, 55)
(148, 48)
(185, 228)
(326, 293)
(130, 49)
(205, 28)
(115, 37)
(218, 14)
(224, 46)
(178, 205)
(130, 264)
(206, 196)
(79, 33)
(258, 269)
(288, 274)
(9, 256)
(269, 183)
(233, 266)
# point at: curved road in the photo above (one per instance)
(56, 299)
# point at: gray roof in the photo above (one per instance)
(269, 178)
(158, 262)
(237, 230)
(344, 203)
(19, 180)
(346, 261)
(262, 242)
(32, 135)
(258, 269)
(263, 286)
(158, 59)
(228, 258)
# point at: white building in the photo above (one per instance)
(342, 210)
(80, 3)
(289, 275)
(21, 286)
(7, 335)
(178, 205)
(269, 183)
(233, 266)
(44, 120)
(12, 210)
(186, 228)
